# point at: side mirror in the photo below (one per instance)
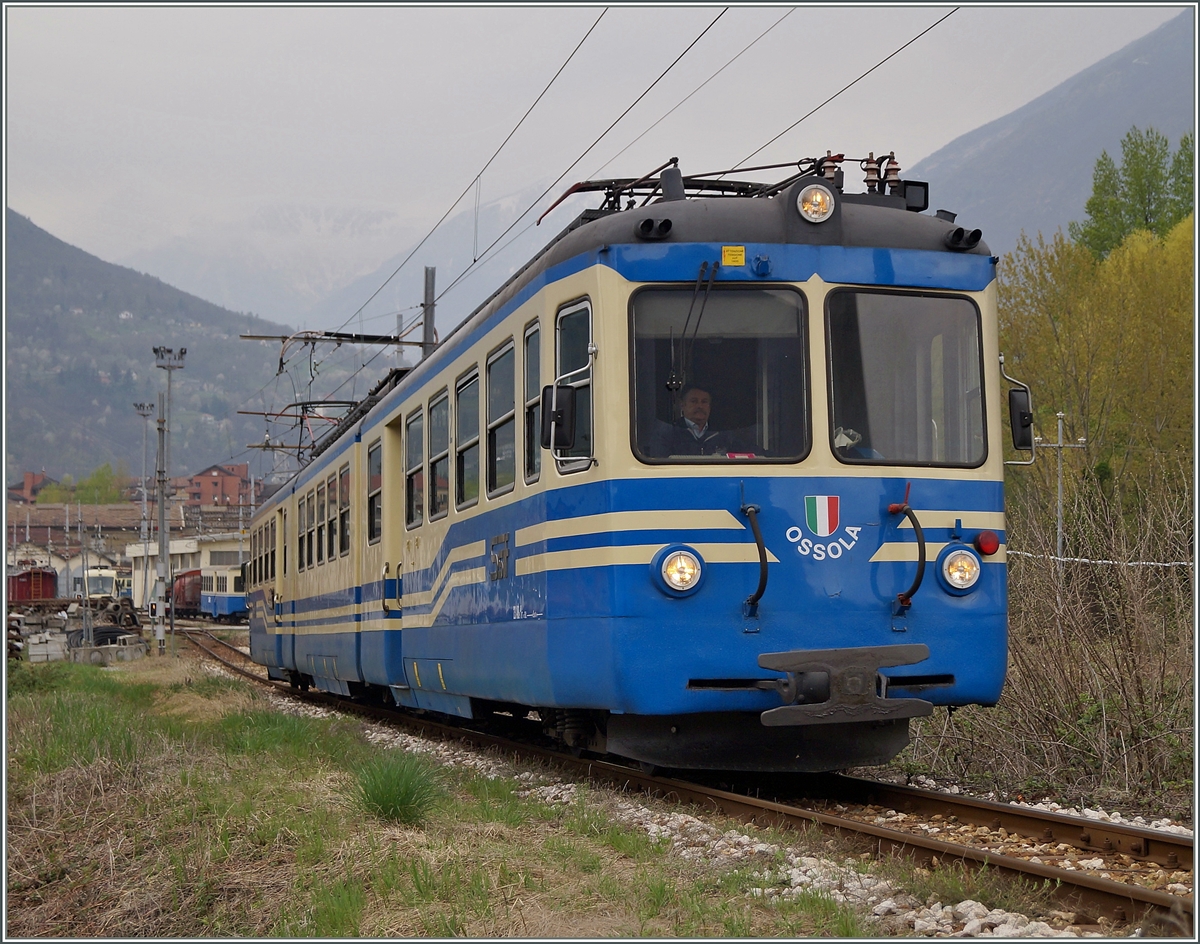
(559, 409)
(1020, 418)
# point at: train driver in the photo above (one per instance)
(691, 434)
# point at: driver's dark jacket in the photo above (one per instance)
(677, 440)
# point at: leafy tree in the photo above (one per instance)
(58, 493)
(1109, 342)
(102, 487)
(1151, 190)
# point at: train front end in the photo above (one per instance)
(809, 475)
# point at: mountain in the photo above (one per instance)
(280, 262)
(451, 250)
(1032, 169)
(78, 355)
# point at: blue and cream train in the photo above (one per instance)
(713, 481)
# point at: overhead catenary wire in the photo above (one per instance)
(585, 153)
(693, 92)
(844, 89)
(474, 179)
(479, 258)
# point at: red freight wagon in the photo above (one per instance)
(36, 583)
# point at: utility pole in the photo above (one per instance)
(168, 360)
(144, 410)
(161, 587)
(87, 590)
(1060, 446)
(427, 314)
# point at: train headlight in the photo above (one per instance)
(815, 203)
(677, 569)
(959, 569)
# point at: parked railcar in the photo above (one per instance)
(712, 482)
(32, 583)
(100, 581)
(185, 593)
(222, 592)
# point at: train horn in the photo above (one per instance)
(960, 240)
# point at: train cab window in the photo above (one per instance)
(239, 585)
(331, 522)
(283, 540)
(344, 509)
(301, 524)
(414, 470)
(466, 442)
(501, 422)
(573, 366)
(904, 373)
(271, 550)
(312, 527)
(320, 524)
(439, 456)
(720, 377)
(254, 557)
(532, 399)
(374, 493)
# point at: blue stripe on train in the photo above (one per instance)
(538, 638)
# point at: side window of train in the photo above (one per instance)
(283, 535)
(532, 399)
(374, 493)
(253, 557)
(321, 524)
(466, 441)
(573, 368)
(439, 455)
(501, 421)
(312, 527)
(301, 523)
(331, 523)
(271, 550)
(344, 509)
(414, 470)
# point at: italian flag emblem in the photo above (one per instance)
(821, 511)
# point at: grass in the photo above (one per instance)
(1108, 720)
(146, 800)
(399, 788)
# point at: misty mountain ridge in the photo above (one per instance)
(78, 355)
(450, 250)
(1032, 169)
(281, 261)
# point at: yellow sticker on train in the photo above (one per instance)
(733, 255)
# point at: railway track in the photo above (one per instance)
(1125, 874)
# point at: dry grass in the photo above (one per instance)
(1098, 706)
(174, 813)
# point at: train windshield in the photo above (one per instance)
(100, 586)
(905, 372)
(719, 375)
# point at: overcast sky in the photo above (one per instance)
(131, 128)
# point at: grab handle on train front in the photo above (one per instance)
(904, 600)
(750, 607)
(383, 588)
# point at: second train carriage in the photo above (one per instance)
(222, 592)
(781, 585)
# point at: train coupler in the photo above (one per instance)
(847, 682)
